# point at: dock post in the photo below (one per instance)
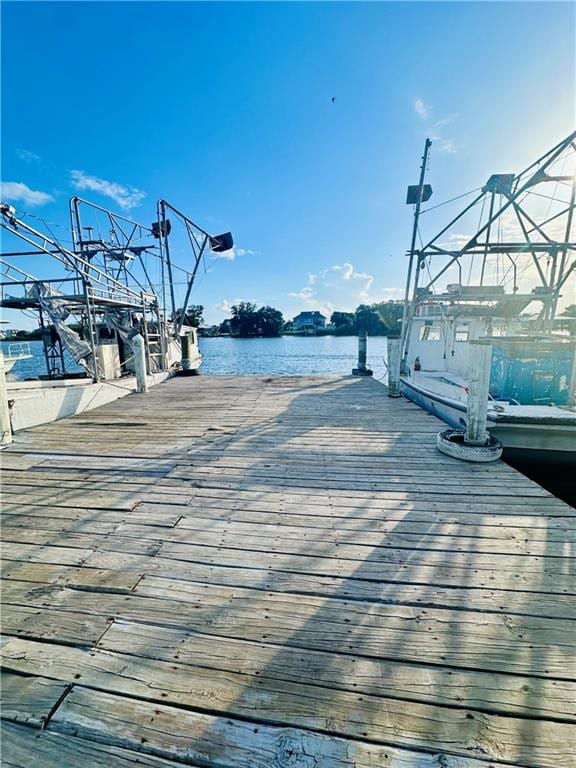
(139, 353)
(478, 391)
(474, 443)
(5, 426)
(362, 370)
(185, 341)
(394, 355)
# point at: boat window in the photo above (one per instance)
(461, 333)
(429, 333)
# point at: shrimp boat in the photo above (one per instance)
(117, 280)
(499, 271)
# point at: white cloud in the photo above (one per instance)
(235, 251)
(226, 305)
(17, 191)
(444, 145)
(29, 157)
(125, 197)
(455, 241)
(448, 147)
(339, 287)
(421, 109)
(444, 121)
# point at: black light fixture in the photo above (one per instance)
(499, 183)
(161, 228)
(219, 243)
(413, 192)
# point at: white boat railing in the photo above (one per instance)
(18, 350)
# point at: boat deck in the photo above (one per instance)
(279, 572)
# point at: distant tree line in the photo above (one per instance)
(380, 319)
(25, 335)
(248, 321)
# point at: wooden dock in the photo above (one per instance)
(279, 573)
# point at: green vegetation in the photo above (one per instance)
(194, 316)
(381, 319)
(246, 321)
(25, 336)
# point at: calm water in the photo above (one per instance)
(35, 366)
(290, 355)
(287, 355)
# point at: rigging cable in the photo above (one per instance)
(451, 200)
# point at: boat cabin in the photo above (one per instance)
(443, 325)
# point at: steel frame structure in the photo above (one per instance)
(537, 241)
(103, 273)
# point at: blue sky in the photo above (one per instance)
(225, 109)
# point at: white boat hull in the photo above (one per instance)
(41, 402)
(534, 439)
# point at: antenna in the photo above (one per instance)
(417, 195)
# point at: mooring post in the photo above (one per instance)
(362, 370)
(394, 356)
(139, 352)
(5, 426)
(185, 342)
(362, 350)
(478, 391)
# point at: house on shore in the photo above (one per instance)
(309, 321)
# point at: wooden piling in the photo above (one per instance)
(478, 390)
(139, 352)
(362, 369)
(393, 362)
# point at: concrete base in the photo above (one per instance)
(362, 372)
(41, 402)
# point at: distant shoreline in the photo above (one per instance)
(293, 336)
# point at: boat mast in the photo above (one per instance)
(406, 315)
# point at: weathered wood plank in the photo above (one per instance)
(44, 624)
(96, 579)
(520, 644)
(23, 748)
(501, 571)
(29, 699)
(410, 520)
(178, 732)
(299, 498)
(113, 571)
(45, 554)
(483, 691)
(419, 566)
(16, 516)
(277, 703)
(354, 544)
(349, 488)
